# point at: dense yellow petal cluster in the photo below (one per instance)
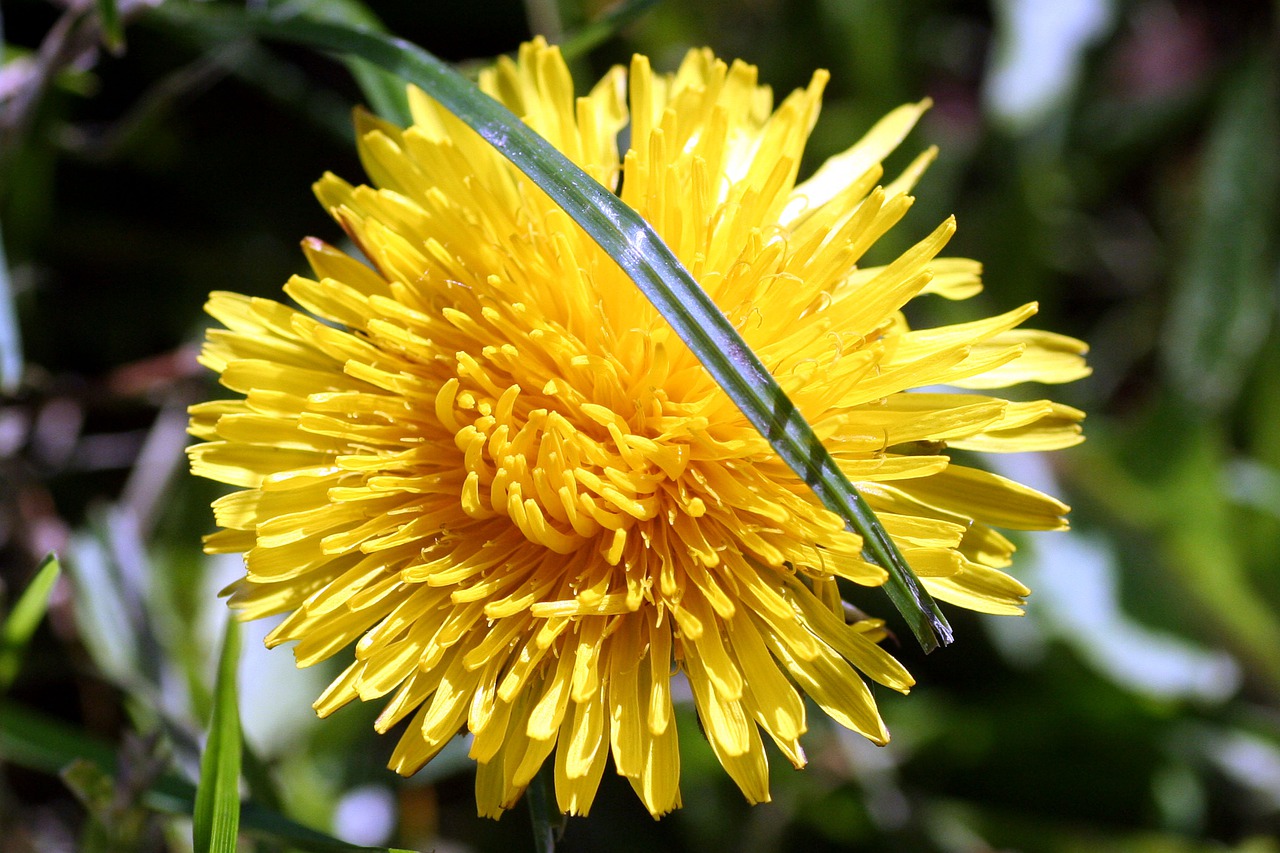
(484, 460)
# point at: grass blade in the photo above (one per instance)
(635, 247)
(217, 807)
(22, 620)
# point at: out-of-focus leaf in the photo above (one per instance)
(37, 742)
(873, 32)
(278, 79)
(545, 18)
(257, 776)
(1225, 280)
(288, 84)
(110, 571)
(95, 790)
(1180, 497)
(22, 620)
(109, 608)
(591, 34)
(40, 743)
(988, 829)
(112, 29)
(385, 92)
(637, 249)
(118, 819)
(1254, 484)
(217, 813)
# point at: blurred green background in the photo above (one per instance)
(1116, 160)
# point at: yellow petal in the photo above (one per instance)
(1046, 357)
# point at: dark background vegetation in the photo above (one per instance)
(1125, 174)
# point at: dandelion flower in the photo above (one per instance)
(486, 462)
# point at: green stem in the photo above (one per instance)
(543, 813)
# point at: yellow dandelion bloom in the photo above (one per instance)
(484, 460)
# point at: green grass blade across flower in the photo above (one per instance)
(637, 249)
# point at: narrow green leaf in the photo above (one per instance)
(217, 812)
(22, 620)
(635, 247)
(37, 742)
(112, 29)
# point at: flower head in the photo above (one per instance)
(485, 461)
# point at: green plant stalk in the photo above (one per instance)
(636, 247)
(543, 812)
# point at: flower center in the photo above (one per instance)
(571, 447)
